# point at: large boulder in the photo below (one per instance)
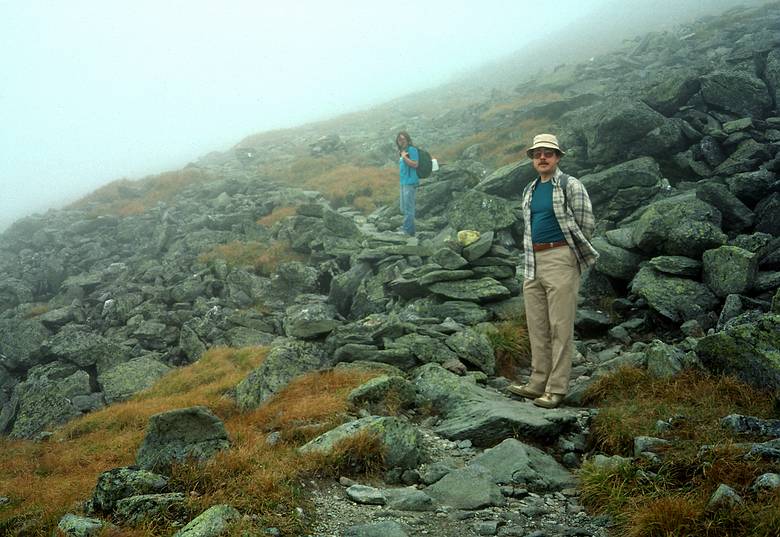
(117, 483)
(729, 270)
(177, 436)
(85, 348)
(677, 299)
(617, 191)
(128, 378)
(614, 261)
(682, 225)
(20, 340)
(480, 211)
(736, 91)
(617, 129)
(515, 463)
(747, 350)
(45, 398)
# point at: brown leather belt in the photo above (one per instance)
(539, 246)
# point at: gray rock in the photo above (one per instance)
(736, 215)
(724, 498)
(473, 348)
(45, 399)
(472, 487)
(478, 248)
(766, 482)
(768, 215)
(126, 379)
(729, 270)
(81, 346)
(512, 462)
(751, 187)
(677, 299)
(384, 528)
(665, 361)
(402, 441)
(285, 361)
(682, 225)
(740, 424)
(649, 444)
(614, 261)
(135, 510)
(113, 485)
(445, 276)
(20, 340)
(480, 290)
(617, 191)
(178, 435)
(366, 495)
(481, 212)
(737, 92)
(382, 393)
(308, 321)
(212, 522)
(448, 259)
(508, 181)
(676, 265)
(409, 499)
(747, 351)
(71, 525)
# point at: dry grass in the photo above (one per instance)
(278, 214)
(262, 258)
(511, 346)
(343, 184)
(44, 481)
(671, 499)
(125, 198)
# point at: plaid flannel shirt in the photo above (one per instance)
(576, 221)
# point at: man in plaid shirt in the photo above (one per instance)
(558, 225)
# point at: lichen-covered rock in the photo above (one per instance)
(749, 351)
(113, 485)
(44, 399)
(179, 435)
(128, 378)
(401, 441)
(729, 270)
(285, 361)
(212, 522)
(682, 225)
(481, 212)
(677, 299)
(71, 525)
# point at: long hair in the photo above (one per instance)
(405, 135)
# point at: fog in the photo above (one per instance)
(95, 91)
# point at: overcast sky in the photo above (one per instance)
(94, 91)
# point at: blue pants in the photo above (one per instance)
(408, 205)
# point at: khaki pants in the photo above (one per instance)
(550, 305)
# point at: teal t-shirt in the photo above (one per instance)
(544, 225)
(407, 174)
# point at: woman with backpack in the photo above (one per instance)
(408, 160)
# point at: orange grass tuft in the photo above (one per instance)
(263, 258)
(311, 404)
(279, 213)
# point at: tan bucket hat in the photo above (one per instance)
(544, 140)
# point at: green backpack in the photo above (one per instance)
(424, 164)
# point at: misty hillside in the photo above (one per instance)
(247, 346)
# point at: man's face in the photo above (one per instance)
(545, 161)
(402, 141)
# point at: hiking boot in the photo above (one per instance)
(549, 400)
(523, 391)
